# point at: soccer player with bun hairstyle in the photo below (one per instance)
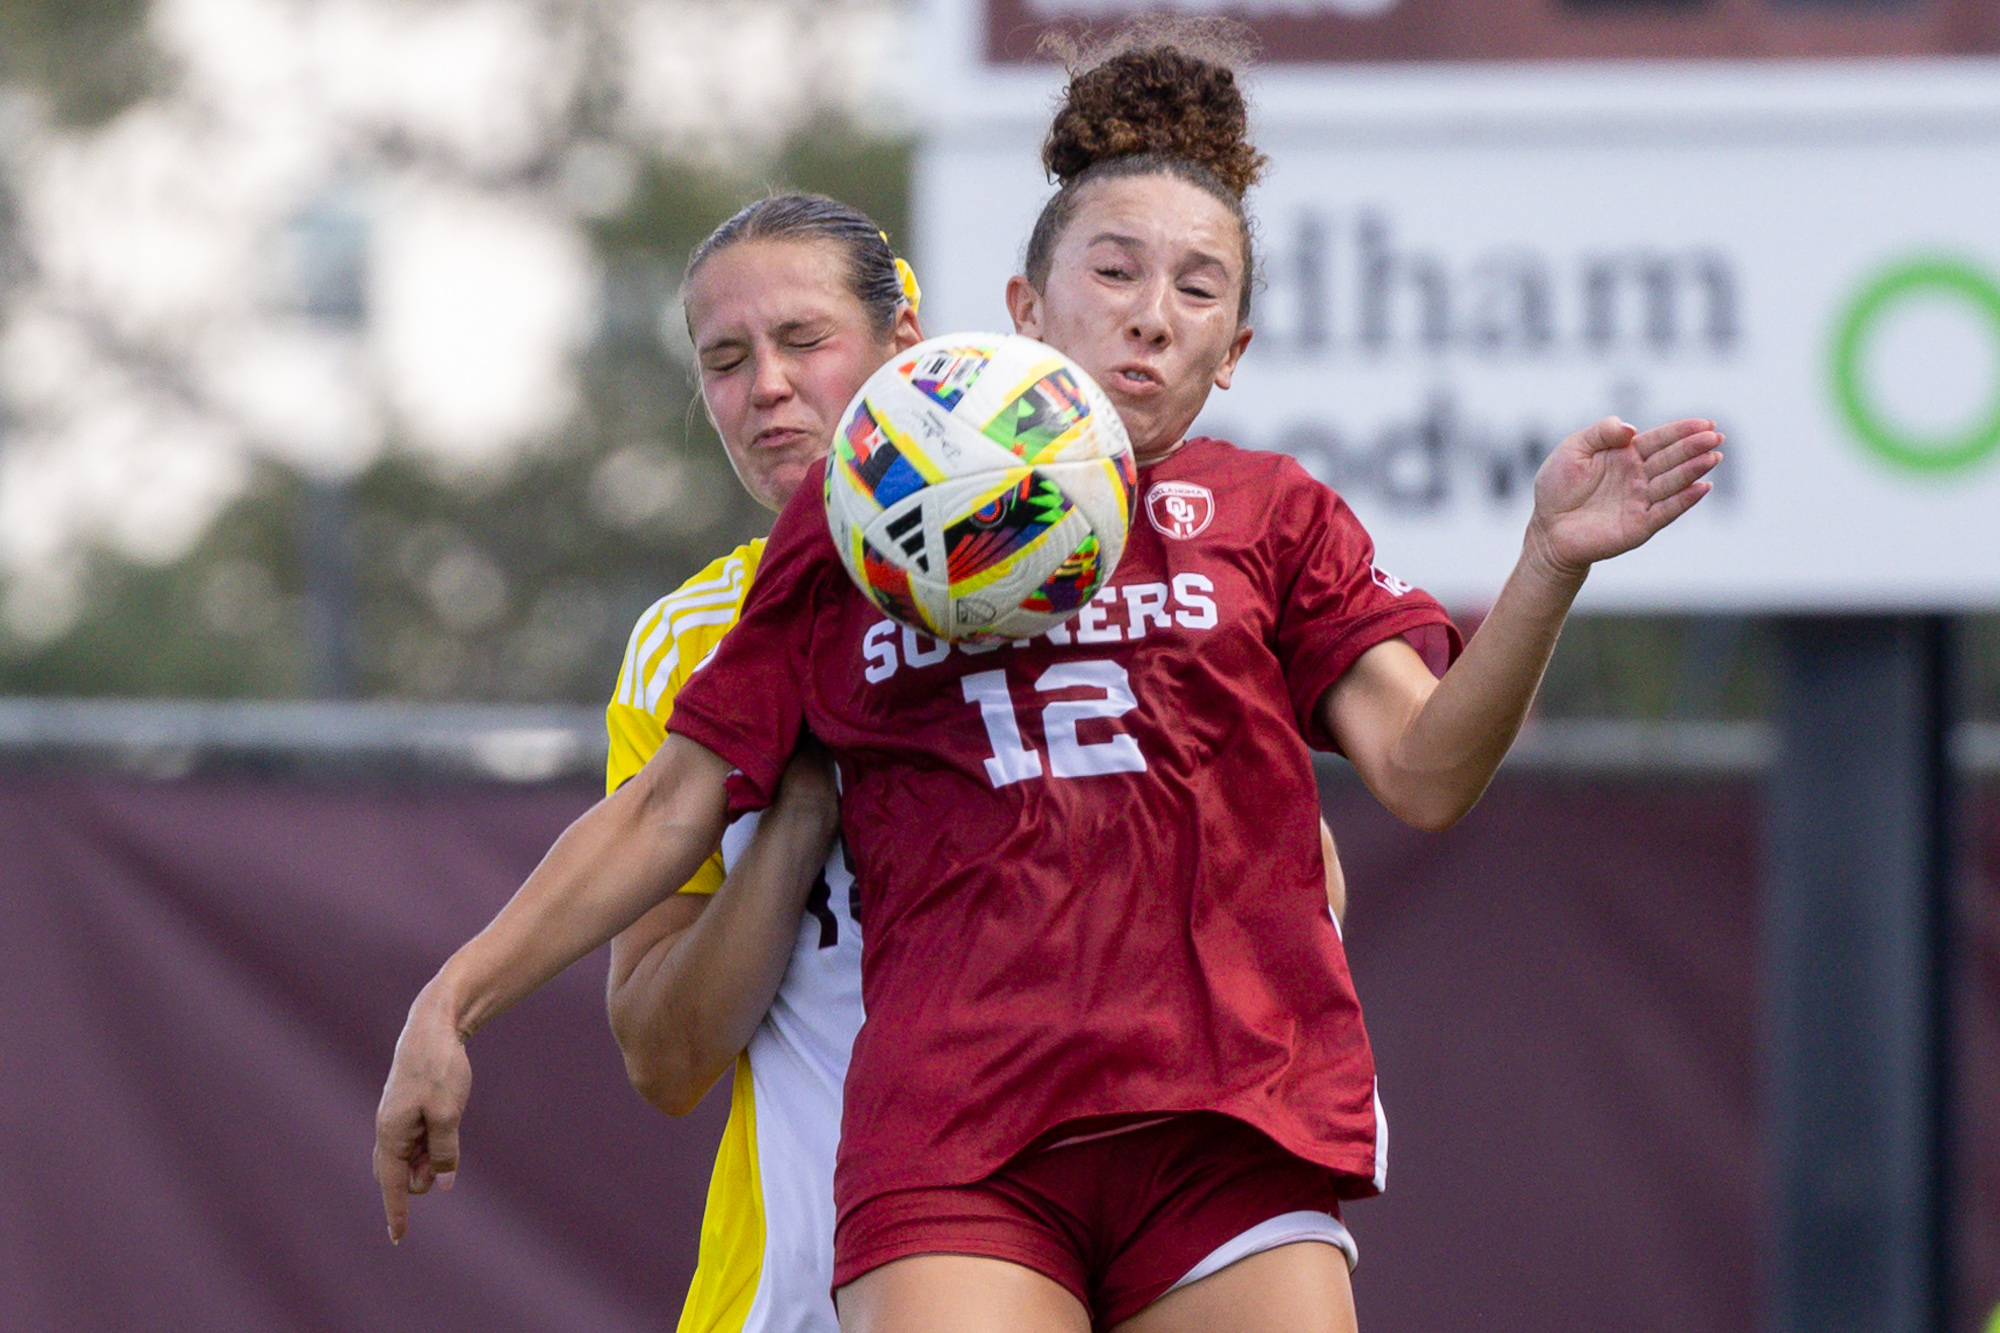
(1113, 1072)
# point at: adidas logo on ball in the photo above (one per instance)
(980, 487)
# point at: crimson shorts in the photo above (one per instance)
(1117, 1218)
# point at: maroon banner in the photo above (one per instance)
(1335, 31)
(204, 980)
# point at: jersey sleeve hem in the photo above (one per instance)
(1331, 660)
(754, 785)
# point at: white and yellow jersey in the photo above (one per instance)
(766, 1261)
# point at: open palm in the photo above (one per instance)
(1609, 487)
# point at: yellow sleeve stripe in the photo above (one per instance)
(662, 674)
(664, 621)
(668, 618)
(651, 630)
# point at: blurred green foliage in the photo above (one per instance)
(214, 625)
(1660, 667)
(518, 586)
(676, 205)
(523, 585)
(89, 58)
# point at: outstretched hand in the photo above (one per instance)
(1609, 487)
(416, 1124)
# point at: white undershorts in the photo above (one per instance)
(1284, 1229)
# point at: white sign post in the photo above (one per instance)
(1462, 265)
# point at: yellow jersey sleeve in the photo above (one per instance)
(672, 640)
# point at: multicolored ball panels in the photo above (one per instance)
(980, 487)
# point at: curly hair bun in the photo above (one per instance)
(1162, 87)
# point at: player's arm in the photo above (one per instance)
(618, 859)
(1427, 747)
(692, 978)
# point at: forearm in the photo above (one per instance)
(1444, 741)
(619, 858)
(1427, 748)
(1469, 722)
(623, 855)
(684, 1005)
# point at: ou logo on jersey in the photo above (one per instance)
(1387, 582)
(1180, 509)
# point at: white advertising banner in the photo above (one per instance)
(1460, 266)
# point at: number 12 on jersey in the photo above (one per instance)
(1014, 760)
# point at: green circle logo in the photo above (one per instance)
(1935, 277)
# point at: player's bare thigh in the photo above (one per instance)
(1298, 1288)
(958, 1293)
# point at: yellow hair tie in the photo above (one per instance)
(906, 276)
(911, 292)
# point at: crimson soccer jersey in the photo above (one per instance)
(1089, 862)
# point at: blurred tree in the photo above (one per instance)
(520, 585)
(1660, 667)
(522, 582)
(89, 58)
(219, 624)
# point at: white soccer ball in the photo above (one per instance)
(980, 487)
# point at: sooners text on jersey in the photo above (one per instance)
(1089, 860)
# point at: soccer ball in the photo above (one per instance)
(980, 487)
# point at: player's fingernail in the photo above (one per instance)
(445, 1178)
(394, 1239)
